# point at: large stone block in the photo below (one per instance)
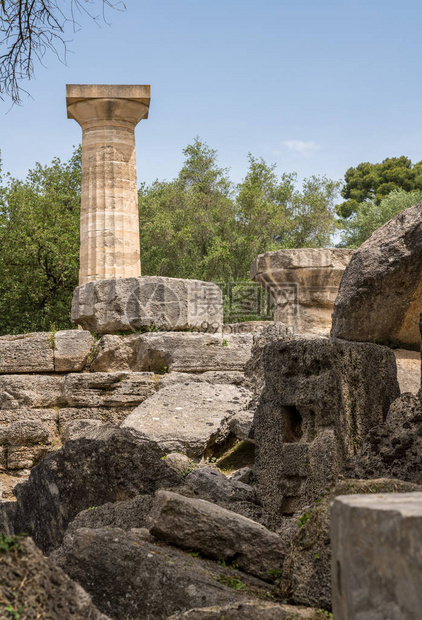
(304, 284)
(35, 391)
(216, 533)
(27, 353)
(129, 304)
(380, 295)
(320, 399)
(108, 389)
(173, 352)
(377, 556)
(192, 418)
(71, 350)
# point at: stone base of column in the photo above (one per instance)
(304, 284)
(377, 556)
(148, 303)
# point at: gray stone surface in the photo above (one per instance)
(377, 556)
(126, 515)
(241, 424)
(116, 353)
(392, 449)
(380, 295)
(320, 399)
(72, 418)
(408, 370)
(71, 350)
(216, 533)
(36, 391)
(33, 587)
(193, 419)
(130, 577)
(180, 463)
(252, 610)
(234, 377)
(306, 578)
(211, 484)
(27, 353)
(7, 514)
(128, 304)
(112, 389)
(114, 465)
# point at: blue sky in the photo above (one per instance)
(314, 86)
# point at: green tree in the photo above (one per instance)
(369, 216)
(374, 182)
(39, 240)
(201, 226)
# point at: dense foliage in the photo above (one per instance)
(39, 241)
(374, 182)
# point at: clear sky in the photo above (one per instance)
(315, 86)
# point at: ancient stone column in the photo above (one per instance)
(108, 116)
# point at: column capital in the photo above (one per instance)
(94, 105)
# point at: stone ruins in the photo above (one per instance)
(168, 466)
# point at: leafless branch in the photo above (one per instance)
(31, 28)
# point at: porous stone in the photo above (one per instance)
(27, 353)
(71, 350)
(252, 610)
(246, 327)
(108, 389)
(216, 533)
(380, 296)
(241, 424)
(129, 576)
(306, 577)
(35, 391)
(7, 515)
(114, 465)
(304, 284)
(180, 463)
(109, 235)
(72, 419)
(193, 419)
(116, 353)
(32, 586)
(377, 556)
(320, 399)
(408, 370)
(392, 449)
(129, 304)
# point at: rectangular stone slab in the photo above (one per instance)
(27, 353)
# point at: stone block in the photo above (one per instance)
(191, 418)
(304, 284)
(71, 350)
(408, 370)
(216, 533)
(26, 457)
(108, 389)
(27, 353)
(34, 391)
(377, 556)
(380, 296)
(130, 304)
(23, 427)
(71, 418)
(116, 353)
(320, 399)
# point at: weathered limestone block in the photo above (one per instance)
(304, 284)
(234, 377)
(194, 352)
(252, 610)
(408, 370)
(306, 578)
(191, 418)
(212, 485)
(27, 353)
(132, 577)
(108, 389)
(130, 304)
(380, 296)
(320, 399)
(114, 465)
(108, 115)
(216, 533)
(116, 354)
(392, 449)
(37, 587)
(34, 391)
(71, 350)
(377, 556)
(23, 458)
(72, 419)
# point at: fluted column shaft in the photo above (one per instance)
(109, 246)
